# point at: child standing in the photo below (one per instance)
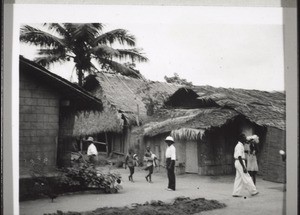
(150, 159)
(130, 161)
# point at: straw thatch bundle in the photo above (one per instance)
(92, 122)
(188, 134)
(200, 120)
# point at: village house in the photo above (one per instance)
(127, 103)
(49, 105)
(125, 112)
(205, 122)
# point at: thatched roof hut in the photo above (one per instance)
(261, 107)
(213, 107)
(206, 121)
(124, 99)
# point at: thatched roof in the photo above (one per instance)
(261, 107)
(93, 122)
(126, 94)
(195, 121)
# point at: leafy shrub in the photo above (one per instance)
(85, 176)
(43, 183)
(76, 178)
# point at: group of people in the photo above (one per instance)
(245, 163)
(150, 158)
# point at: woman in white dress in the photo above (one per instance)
(252, 166)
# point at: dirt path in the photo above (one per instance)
(269, 201)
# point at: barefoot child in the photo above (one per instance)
(150, 159)
(130, 161)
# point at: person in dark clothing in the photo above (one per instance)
(170, 163)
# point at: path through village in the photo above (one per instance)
(268, 202)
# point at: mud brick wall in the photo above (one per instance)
(271, 165)
(39, 121)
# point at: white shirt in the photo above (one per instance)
(239, 150)
(171, 152)
(92, 150)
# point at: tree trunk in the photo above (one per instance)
(80, 77)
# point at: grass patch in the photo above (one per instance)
(181, 205)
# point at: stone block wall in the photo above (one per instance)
(39, 121)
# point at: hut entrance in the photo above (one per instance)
(191, 165)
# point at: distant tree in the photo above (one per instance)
(153, 100)
(83, 42)
(177, 80)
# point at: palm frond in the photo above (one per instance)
(55, 51)
(57, 28)
(49, 59)
(120, 35)
(133, 54)
(38, 37)
(104, 51)
(119, 68)
(91, 68)
(86, 32)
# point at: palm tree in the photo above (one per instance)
(83, 43)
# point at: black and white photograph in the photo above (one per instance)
(149, 109)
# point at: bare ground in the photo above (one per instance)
(269, 201)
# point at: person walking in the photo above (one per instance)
(92, 152)
(130, 161)
(150, 159)
(247, 150)
(242, 177)
(170, 163)
(252, 166)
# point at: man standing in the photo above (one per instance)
(92, 151)
(170, 162)
(242, 176)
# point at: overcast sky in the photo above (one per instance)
(219, 46)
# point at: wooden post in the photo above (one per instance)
(56, 149)
(138, 115)
(106, 140)
(112, 143)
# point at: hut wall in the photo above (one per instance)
(180, 152)
(158, 146)
(271, 165)
(216, 153)
(215, 150)
(117, 143)
(135, 141)
(39, 121)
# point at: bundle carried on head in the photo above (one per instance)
(254, 138)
